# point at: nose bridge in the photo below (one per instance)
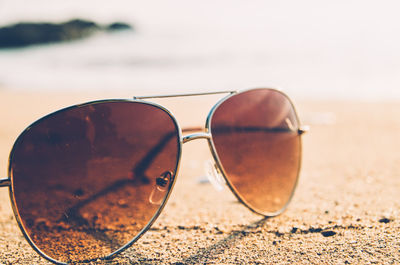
(194, 136)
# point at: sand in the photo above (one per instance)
(345, 210)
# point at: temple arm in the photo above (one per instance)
(245, 129)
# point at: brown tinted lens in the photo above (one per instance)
(86, 180)
(255, 134)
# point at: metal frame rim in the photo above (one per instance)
(150, 222)
(219, 164)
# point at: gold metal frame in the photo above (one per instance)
(206, 134)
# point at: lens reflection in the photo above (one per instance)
(84, 178)
(255, 134)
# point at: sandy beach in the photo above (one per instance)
(345, 210)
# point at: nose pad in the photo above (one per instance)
(161, 188)
(214, 175)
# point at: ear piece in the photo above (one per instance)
(214, 175)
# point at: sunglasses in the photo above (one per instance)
(89, 180)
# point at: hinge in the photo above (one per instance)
(5, 182)
(303, 129)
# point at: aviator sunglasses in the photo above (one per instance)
(89, 180)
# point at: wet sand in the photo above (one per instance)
(345, 210)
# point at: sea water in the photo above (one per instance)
(345, 49)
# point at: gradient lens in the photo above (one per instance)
(255, 135)
(88, 179)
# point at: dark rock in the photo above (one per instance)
(25, 34)
(328, 233)
(384, 220)
(117, 26)
(314, 230)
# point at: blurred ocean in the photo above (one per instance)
(344, 49)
